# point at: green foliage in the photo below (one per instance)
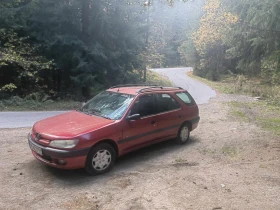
(69, 46)
(19, 104)
(249, 46)
(157, 79)
(42, 101)
(13, 3)
(73, 48)
(165, 33)
(20, 62)
(8, 88)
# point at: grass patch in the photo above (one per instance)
(208, 151)
(239, 111)
(271, 124)
(240, 114)
(232, 84)
(265, 115)
(180, 160)
(223, 86)
(229, 151)
(157, 79)
(262, 166)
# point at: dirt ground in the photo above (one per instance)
(228, 164)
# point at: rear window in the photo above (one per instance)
(165, 103)
(186, 98)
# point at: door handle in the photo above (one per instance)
(153, 122)
(180, 116)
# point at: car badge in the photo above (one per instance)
(37, 137)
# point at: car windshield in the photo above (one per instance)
(110, 105)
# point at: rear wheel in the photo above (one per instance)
(184, 134)
(101, 159)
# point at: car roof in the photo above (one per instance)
(137, 89)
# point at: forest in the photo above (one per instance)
(239, 37)
(72, 49)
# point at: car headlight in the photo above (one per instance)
(66, 144)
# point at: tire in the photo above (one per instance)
(100, 159)
(183, 134)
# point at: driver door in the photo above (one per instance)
(137, 133)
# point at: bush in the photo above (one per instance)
(9, 88)
(38, 96)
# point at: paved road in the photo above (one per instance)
(201, 93)
(23, 119)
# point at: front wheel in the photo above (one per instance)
(184, 134)
(101, 159)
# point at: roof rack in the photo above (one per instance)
(131, 85)
(150, 89)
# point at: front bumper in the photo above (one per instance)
(73, 158)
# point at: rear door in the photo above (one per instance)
(168, 115)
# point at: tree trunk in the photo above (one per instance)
(85, 19)
(58, 82)
(258, 66)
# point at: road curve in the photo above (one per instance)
(200, 91)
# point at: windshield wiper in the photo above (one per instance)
(104, 116)
(97, 113)
(94, 112)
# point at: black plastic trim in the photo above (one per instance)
(146, 134)
(195, 120)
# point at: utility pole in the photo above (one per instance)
(147, 4)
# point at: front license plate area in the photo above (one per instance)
(36, 149)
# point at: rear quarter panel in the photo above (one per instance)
(188, 112)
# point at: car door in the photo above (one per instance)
(137, 133)
(168, 115)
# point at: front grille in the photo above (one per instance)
(46, 157)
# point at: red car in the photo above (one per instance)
(117, 121)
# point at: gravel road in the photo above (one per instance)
(228, 165)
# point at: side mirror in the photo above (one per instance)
(133, 117)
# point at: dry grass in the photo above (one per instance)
(265, 112)
(265, 115)
(241, 85)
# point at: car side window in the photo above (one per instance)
(186, 98)
(165, 103)
(144, 106)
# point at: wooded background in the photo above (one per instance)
(73, 48)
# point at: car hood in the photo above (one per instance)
(69, 125)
